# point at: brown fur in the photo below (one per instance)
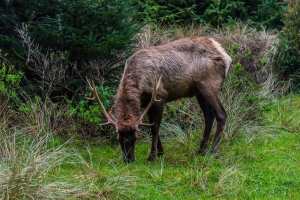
(174, 61)
(194, 66)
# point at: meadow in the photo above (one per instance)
(258, 157)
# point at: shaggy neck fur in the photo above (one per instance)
(127, 103)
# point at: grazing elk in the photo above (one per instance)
(189, 67)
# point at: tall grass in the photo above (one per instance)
(30, 160)
(36, 164)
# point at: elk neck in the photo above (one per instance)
(127, 102)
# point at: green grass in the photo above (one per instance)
(263, 165)
(261, 161)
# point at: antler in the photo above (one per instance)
(110, 117)
(153, 100)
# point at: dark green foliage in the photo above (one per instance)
(86, 29)
(287, 59)
(267, 13)
(56, 44)
(167, 12)
(88, 112)
(83, 118)
(262, 13)
(80, 31)
(9, 78)
(218, 12)
(90, 29)
(211, 12)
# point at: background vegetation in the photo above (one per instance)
(51, 146)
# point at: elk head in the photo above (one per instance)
(126, 130)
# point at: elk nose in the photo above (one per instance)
(126, 140)
(129, 158)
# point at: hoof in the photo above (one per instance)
(215, 154)
(160, 154)
(151, 158)
(129, 160)
(201, 152)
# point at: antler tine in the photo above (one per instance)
(110, 117)
(153, 100)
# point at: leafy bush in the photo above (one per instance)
(9, 78)
(76, 119)
(287, 58)
(89, 114)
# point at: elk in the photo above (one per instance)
(194, 66)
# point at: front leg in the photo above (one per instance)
(160, 148)
(155, 115)
(153, 151)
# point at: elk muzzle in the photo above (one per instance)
(127, 148)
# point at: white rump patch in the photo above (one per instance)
(222, 51)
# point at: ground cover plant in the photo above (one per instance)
(51, 150)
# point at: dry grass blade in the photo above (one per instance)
(26, 162)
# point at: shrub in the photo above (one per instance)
(287, 58)
(9, 78)
(87, 114)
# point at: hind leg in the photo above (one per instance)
(221, 119)
(211, 97)
(209, 119)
